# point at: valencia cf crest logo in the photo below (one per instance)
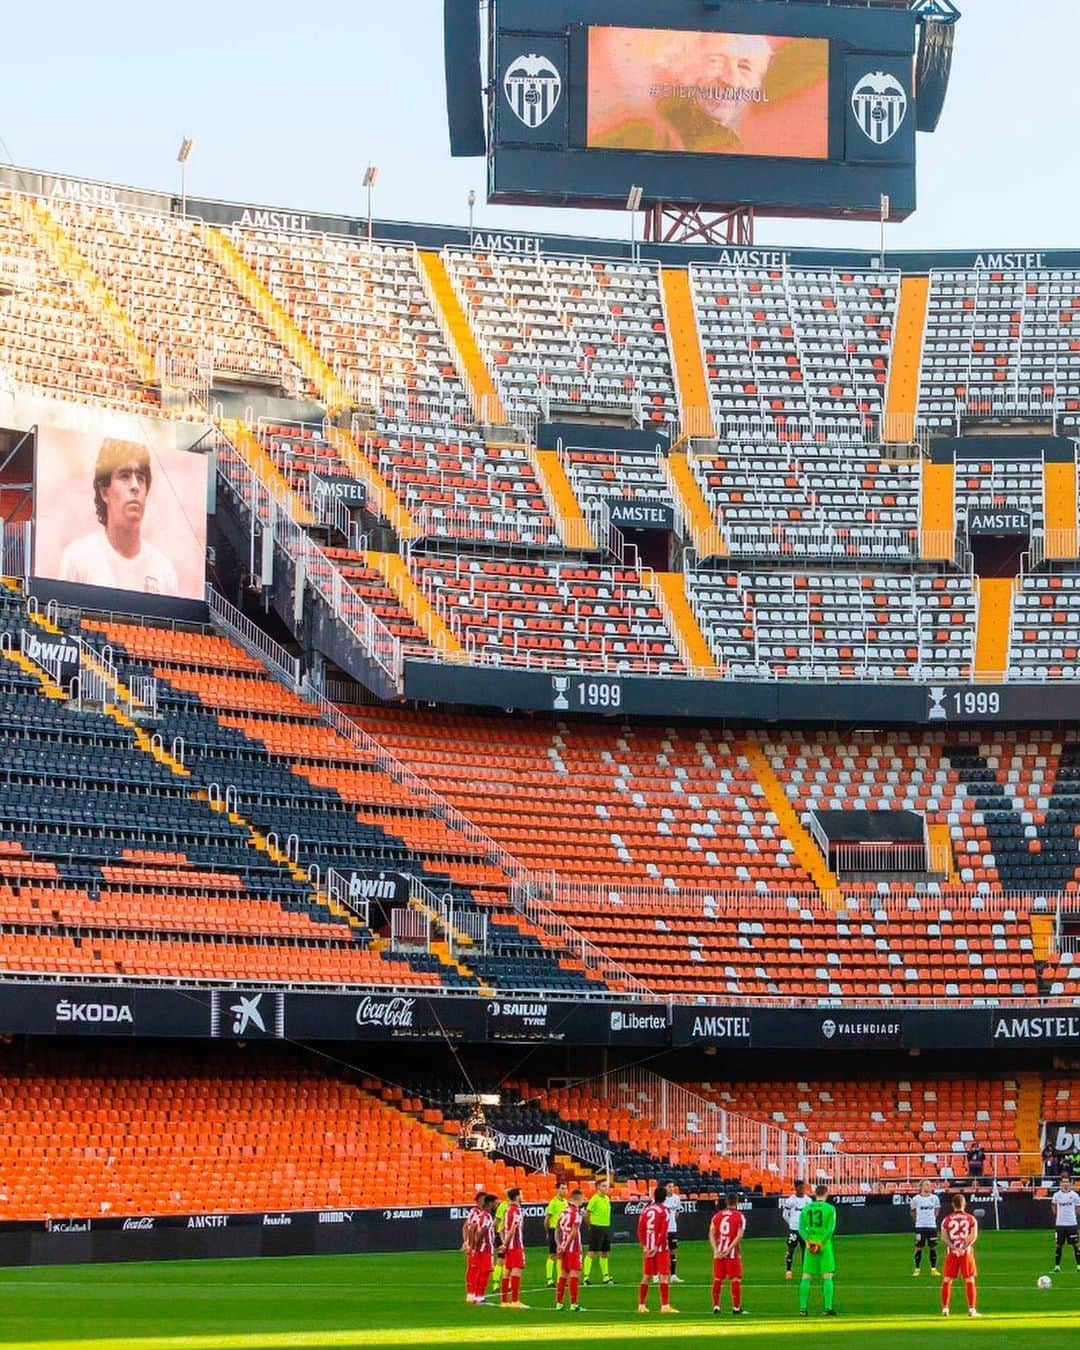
(533, 86)
(880, 106)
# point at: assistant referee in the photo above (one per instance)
(598, 1214)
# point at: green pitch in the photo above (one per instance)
(418, 1300)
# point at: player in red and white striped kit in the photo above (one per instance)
(478, 1240)
(568, 1247)
(513, 1248)
(653, 1227)
(959, 1231)
(725, 1235)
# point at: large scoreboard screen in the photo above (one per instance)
(707, 93)
(796, 109)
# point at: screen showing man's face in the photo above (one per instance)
(125, 496)
(120, 506)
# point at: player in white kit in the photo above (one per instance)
(790, 1208)
(925, 1208)
(1066, 1203)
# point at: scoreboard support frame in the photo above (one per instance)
(667, 223)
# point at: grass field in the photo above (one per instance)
(419, 1301)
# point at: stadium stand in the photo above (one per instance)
(912, 1129)
(837, 625)
(184, 308)
(569, 332)
(600, 475)
(54, 336)
(565, 615)
(617, 807)
(1000, 343)
(364, 308)
(105, 1131)
(795, 354)
(71, 858)
(778, 501)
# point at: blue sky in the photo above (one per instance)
(288, 102)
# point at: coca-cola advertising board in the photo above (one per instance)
(384, 1017)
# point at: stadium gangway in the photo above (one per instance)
(273, 514)
(236, 625)
(1016, 404)
(585, 1150)
(736, 901)
(479, 524)
(705, 1129)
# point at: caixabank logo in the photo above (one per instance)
(533, 87)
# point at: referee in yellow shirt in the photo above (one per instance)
(598, 1214)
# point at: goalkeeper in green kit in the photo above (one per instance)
(817, 1224)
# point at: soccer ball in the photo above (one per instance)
(1044, 1282)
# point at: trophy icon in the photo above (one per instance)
(938, 711)
(560, 684)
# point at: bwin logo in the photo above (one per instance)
(880, 106)
(533, 87)
(246, 1014)
(828, 1029)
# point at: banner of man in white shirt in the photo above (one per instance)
(121, 504)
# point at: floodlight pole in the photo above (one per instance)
(182, 157)
(633, 205)
(472, 202)
(368, 181)
(884, 218)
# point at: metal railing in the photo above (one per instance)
(313, 567)
(252, 638)
(740, 902)
(410, 930)
(16, 550)
(883, 858)
(1003, 403)
(531, 1158)
(484, 524)
(705, 1133)
(810, 540)
(581, 1148)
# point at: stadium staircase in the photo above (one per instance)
(391, 567)
(993, 627)
(670, 591)
(248, 445)
(697, 515)
(49, 235)
(695, 410)
(937, 524)
(1060, 498)
(806, 850)
(1029, 1120)
(902, 394)
(561, 501)
(300, 351)
(487, 406)
(382, 499)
